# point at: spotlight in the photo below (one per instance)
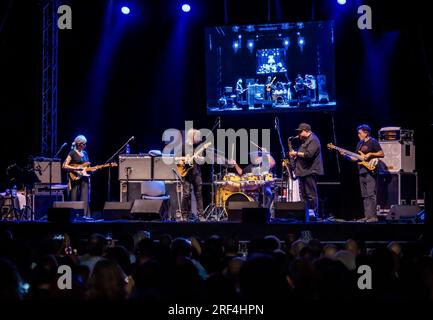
(341, 2)
(250, 45)
(301, 43)
(186, 7)
(125, 10)
(236, 45)
(286, 42)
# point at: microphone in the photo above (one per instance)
(63, 145)
(132, 138)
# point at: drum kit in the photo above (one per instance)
(282, 93)
(231, 187)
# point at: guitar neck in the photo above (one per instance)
(352, 154)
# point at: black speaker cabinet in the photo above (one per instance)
(43, 202)
(290, 211)
(77, 207)
(130, 191)
(234, 210)
(255, 215)
(117, 210)
(148, 209)
(396, 189)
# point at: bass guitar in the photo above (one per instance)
(370, 165)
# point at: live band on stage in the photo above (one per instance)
(253, 183)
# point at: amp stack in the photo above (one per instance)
(397, 192)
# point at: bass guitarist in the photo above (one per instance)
(79, 189)
(370, 149)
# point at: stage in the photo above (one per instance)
(334, 232)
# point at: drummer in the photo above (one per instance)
(262, 163)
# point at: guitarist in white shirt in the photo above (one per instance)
(78, 156)
(370, 149)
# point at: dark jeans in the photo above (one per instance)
(308, 189)
(367, 182)
(192, 180)
(80, 190)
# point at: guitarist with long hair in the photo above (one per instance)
(192, 178)
(369, 149)
(74, 162)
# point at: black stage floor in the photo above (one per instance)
(324, 231)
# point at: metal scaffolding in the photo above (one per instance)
(49, 77)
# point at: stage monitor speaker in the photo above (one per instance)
(404, 212)
(117, 210)
(77, 207)
(290, 211)
(234, 210)
(60, 215)
(255, 215)
(147, 209)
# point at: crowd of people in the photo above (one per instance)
(139, 267)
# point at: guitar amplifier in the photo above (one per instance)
(398, 157)
(135, 167)
(41, 167)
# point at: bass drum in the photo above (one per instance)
(236, 197)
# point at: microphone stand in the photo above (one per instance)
(51, 166)
(109, 168)
(283, 151)
(212, 206)
(179, 195)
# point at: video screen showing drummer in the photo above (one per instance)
(259, 170)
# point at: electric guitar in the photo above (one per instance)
(269, 85)
(370, 165)
(240, 91)
(290, 163)
(310, 84)
(186, 163)
(79, 173)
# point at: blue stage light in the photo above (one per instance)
(341, 2)
(125, 10)
(186, 7)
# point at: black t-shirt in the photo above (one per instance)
(371, 145)
(77, 159)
